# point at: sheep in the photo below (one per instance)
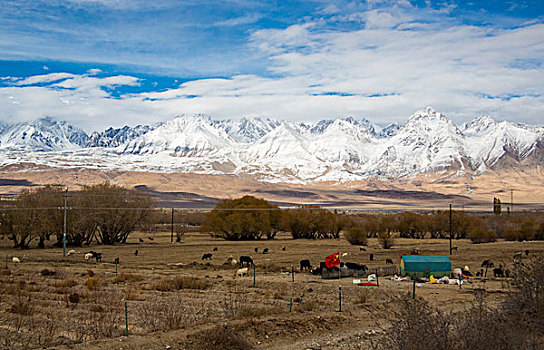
(233, 262)
(88, 256)
(345, 254)
(16, 260)
(71, 252)
(229, 259)
(242, 272)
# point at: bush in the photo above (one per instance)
(242, 223)
(386, 239)
(181, 282)
(220, 337)
(356, 235)
(93, 283)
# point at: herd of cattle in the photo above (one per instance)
(246, 261)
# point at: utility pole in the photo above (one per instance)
(451, 232)
(172, 228)
(65, 209)
(512, 201)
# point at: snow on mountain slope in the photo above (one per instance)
(427, 141)
(183, 136)
(115, 137)
(330, 150)
(488, 141)
(42, 135)
(246, 130)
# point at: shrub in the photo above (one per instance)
(47, 272)
(220, 337)
(65, 283)
(127, 277)
(93, 283)
(386, 239)
(180, 282)
(73, 298)
(356, 235)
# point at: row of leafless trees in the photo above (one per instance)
(105, 213)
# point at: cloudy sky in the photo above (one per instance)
(100, 63)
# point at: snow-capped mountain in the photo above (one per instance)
(329, 150)
(45, 134)
(115, 137)
(247, 130)
(184, 136)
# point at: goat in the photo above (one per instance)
(371, 257)
(141, 240)
(283, 248)
(361, 249)
(389, 261)
(136, 252)
(265, 251)
(526, 251)
(15, 260)
(215, 249)
(244, 259)
(305, 264)
(242, 272)
(256, 250)
(150, 238)
(207, 256)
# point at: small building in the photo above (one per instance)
(424, 266)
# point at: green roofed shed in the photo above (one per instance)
(423, 266)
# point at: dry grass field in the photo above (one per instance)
(175, 300)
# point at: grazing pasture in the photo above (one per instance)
(175, 298)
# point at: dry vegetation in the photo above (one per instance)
(47, 300)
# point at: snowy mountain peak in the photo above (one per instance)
(479, 125)
(45, 134)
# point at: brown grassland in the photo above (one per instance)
(176, 300)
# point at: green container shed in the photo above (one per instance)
(423, 266)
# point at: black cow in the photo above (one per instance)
(305, 264)
(355, 266)
(244, 259)
(265, 251)
(207, 256)
(498, 272)
(389, 261)
(487, 263)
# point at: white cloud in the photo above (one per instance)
(401, 60)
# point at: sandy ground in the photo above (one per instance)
(427, 191)
(258, 314)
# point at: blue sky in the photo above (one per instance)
(145, 61)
